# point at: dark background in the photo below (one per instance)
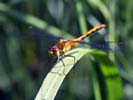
(29, 27)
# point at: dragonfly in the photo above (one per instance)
(62, 46)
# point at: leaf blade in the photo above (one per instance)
(55, 77)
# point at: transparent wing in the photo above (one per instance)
(33, 33)
(106, 45)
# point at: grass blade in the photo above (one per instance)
(55, 77)
(112, 83)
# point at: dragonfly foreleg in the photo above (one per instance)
(61, 59)
(63, 66)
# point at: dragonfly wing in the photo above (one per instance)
(35, 34)
(97, 45)
(105, 45)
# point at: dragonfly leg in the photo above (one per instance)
(63, 66)
(71, 57)
(61, 59)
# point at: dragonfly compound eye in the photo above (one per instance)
(54, 51)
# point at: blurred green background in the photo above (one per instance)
(29, 27)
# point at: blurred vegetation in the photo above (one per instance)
(29, 27)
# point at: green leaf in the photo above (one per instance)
(55, 77)
(112, 83)
(81, 16)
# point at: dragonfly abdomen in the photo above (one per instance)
(90, 32)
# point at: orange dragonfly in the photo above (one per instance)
(62, 46)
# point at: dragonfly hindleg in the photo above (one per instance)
(71, 57)
(61, 59)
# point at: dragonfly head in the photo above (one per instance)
(54, 52)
